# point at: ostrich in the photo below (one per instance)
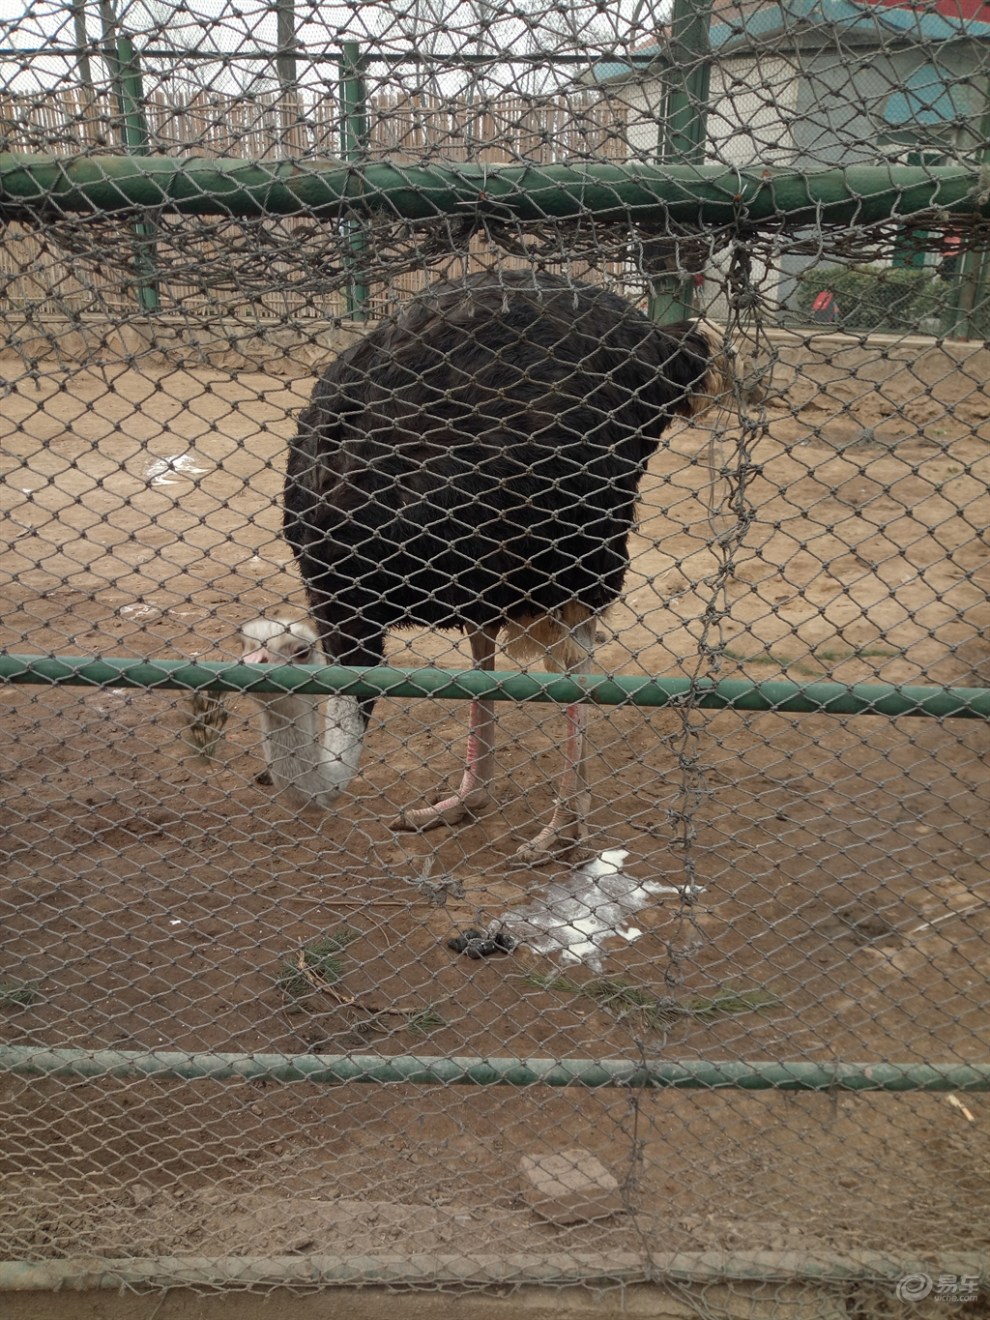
(473, 463)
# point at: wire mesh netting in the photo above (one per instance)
(620, 372)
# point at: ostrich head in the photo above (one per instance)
(280, 642)
(312, 744)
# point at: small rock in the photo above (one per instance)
(570, 1187)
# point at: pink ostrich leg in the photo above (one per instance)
(565, 829)
(479, 765)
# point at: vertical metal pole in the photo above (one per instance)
(684, 131)
(82, 41)
(130, 93)
(285, 42)
(968, 311)
(285, 68)
(975, 296)
(124, 77)
(108, 22)
(965, 291)
(137, 140)
(355, 140)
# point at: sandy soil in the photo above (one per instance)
(152, 897)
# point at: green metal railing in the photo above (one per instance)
(542, 1266)
(692, 1074)
(38, 184)
(886, 699)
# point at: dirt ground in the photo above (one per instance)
(152, 898)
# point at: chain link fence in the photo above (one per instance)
(515, 811)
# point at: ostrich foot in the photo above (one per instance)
(563, 838)
(445, 811)
(551, 844)
(472, 792)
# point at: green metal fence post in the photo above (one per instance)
(285, 67)
(683, 132)
(78, 10)
(124, 76)
(108, 49)
(355, 137)
(285, 44)
(137, 140)
(969, 286)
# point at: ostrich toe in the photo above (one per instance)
(448, 810)
(563, 837)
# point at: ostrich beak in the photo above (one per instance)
(262, 656)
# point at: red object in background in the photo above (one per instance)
(978, 9)
(824, 307)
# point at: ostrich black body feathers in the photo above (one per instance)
(475, 461)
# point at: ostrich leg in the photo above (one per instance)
(566, 828)
(480, 760)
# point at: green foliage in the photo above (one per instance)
(657, 1011)
(314, 965)
(18, 994)
(425, 1022)
(876, 297)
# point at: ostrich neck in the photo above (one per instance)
(312, 745)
